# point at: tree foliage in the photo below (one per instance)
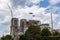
(7, 37)
(45, 32)
(22, 37)
(56, 33)
(32, 33)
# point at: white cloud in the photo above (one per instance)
(6, 1)
(34, 1)
(53, 2)
(7, 19)
(58, 25)
(5, 30)
(22, 3)
(24, 12)
(1, 33)
(40, 13)
(16, 3)
(4, 17)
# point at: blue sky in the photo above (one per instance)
(21, 9)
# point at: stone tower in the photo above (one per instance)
(23, 25)
(14, 28)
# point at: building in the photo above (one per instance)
(34, 22)
(58, 30)
(14, 28)
(23, 25)
(42, 26)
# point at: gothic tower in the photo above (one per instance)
(14, 28)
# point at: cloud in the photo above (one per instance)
(25, 11)
(58, 25)
(16, 3)
(5, 26)
(35, 1)
(4, 1)
(5, 30)
(23, 3)
(38, 12)
(53, 2)
(4, 18)
(1, 33)
(29, 4)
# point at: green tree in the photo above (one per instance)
(21, 37)
(2, 38)
(7, 37)
(56, 33)
(32, 33)
(45, 32)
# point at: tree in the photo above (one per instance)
(45, 32)
(32, 33)
(56, 33)
(2, 38)
(21, 37)
(7, 37)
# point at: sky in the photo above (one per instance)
(21, 9)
